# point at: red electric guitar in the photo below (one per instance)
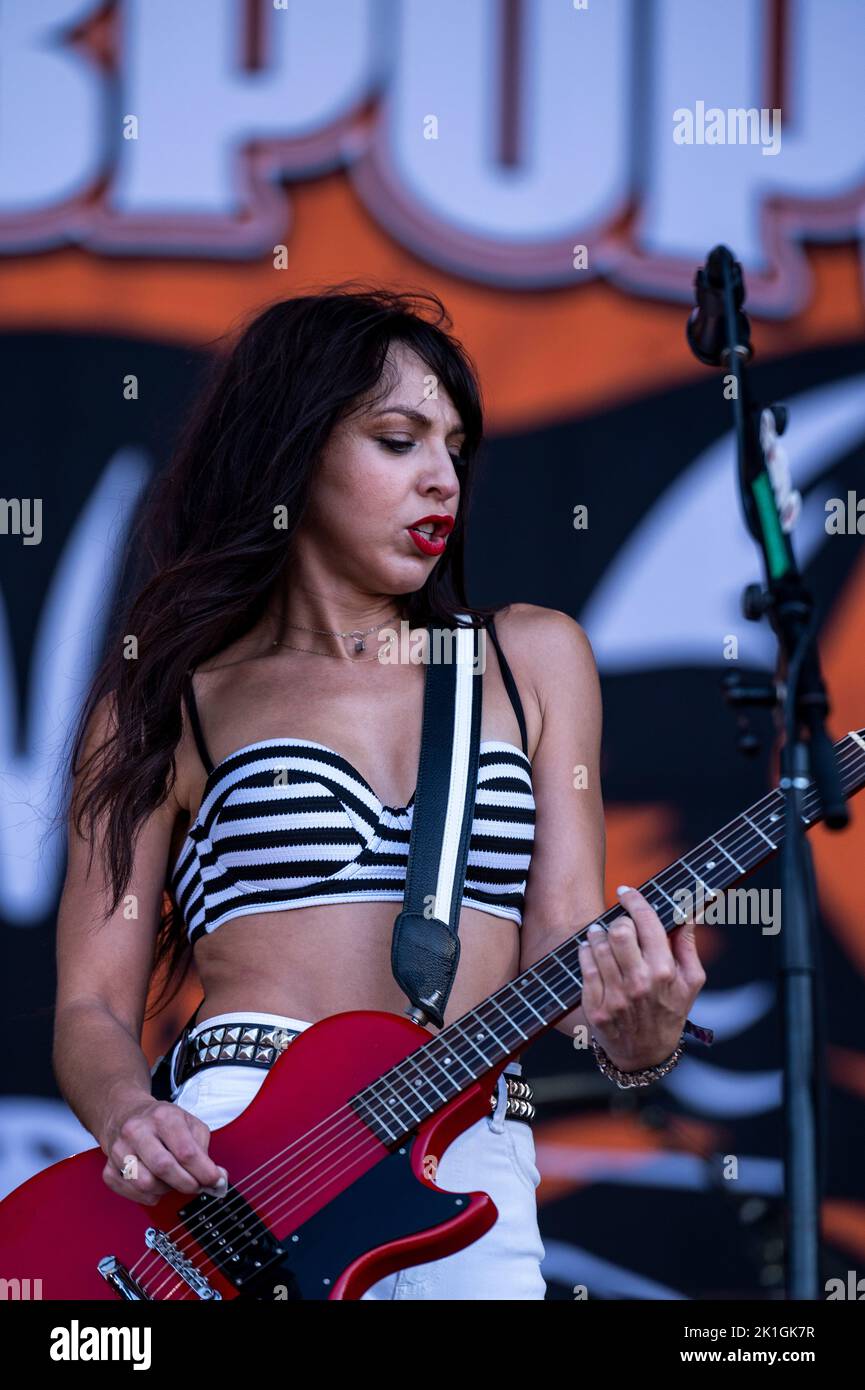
(330, 1160)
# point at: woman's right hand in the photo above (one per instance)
(169, 1146)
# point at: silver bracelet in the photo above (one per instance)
(626, 1079)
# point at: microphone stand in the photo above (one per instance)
(719, 335)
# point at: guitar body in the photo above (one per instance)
(318, 1206)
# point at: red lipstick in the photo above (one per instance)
(433, 538)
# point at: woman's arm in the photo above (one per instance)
(103, 973)
(565, 889)
(638, 983)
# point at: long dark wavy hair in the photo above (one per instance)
(209, 555)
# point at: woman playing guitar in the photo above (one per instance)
(230, 766)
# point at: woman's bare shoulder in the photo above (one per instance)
(540, 631)
(545, 647)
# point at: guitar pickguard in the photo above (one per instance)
(386, 1203)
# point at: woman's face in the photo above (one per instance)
(388, 466)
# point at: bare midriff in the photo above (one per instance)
(311, 962)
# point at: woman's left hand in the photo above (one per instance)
(639, 984)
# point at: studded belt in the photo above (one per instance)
(240, 1044)
(259, 1045)
(520, 1105)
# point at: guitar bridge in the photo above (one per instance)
(182, 1266)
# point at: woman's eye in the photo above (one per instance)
(399, 446)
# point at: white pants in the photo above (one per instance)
(493, 1155)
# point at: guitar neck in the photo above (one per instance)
(527, 1006)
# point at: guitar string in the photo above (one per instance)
(746, 830)
(809, 794)
(755, 809)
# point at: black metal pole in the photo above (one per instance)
(718, 333)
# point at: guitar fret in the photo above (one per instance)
(389, 1116)
(568, 980)
(706, 888)
(761, 832)
(729, 856)
(454, 1053)
(574, 977)
(390, 1099)
(405, 1100)
(443, 1067)
(533, 1009)
(493, 1035)
(473, 1043)
(556, 965)
(492, 1000)
(710, 864)
(526, 1006)
(430, 1082)
(654, 881)
(549, 991)
(517, 1005)
(388, 1135)
(364, 1108)
(405, 1077)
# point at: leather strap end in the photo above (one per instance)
(426, 950)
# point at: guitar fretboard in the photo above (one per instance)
(524, 1008)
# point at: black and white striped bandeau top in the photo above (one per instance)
(288, 822)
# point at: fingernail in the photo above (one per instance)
(624, 888)
(219, 1189)
(596, 927)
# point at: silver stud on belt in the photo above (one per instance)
(249, 1044)
(520, 1095)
